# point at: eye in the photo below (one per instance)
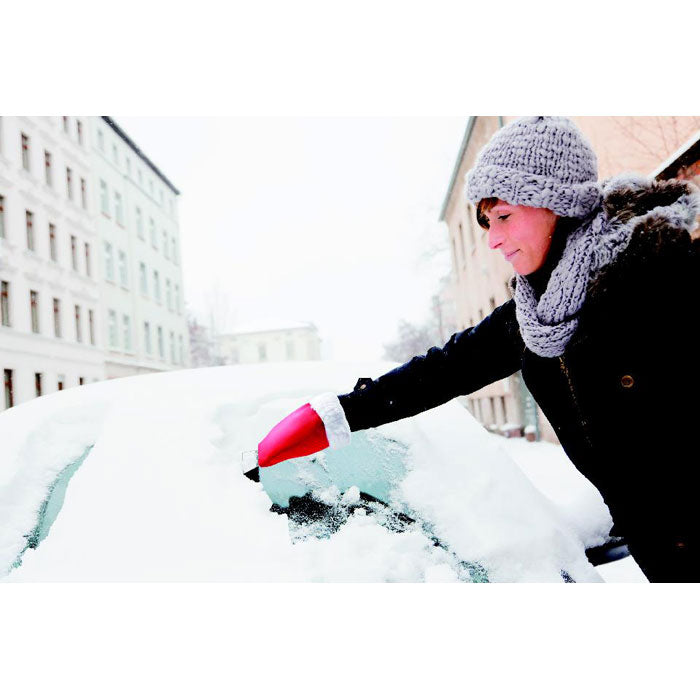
(503, 217)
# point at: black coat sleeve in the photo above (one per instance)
(471, 359)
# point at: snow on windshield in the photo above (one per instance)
(161, 495)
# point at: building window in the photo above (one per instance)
(161, 348)
(2, 217)
(9, 390)
(37, 383)
(53, 251)
(5, 303)
(150, 187)
(47, 169)
(88, 266)
(91, 325)
(128, 167)
(127, 332)
(109, 262)
(100, 140)
(140, 175)
(79, 129)
(26, 161)
(65, 124)
(139, 223)
(57, 317)
(166, 252)
(74, 252)
(115, 153)
(69, 183)
(81, 380)
(104, 198)
(177, 298)
(61, 382)
(161, 198)
(118, 209)
(147, 336)
(152, 229)
(172, 348)
(83, 192)
(262, 352)
(143, 279)
(168, 295)
(112, 327)
(156, 286)
(123, 273)
(34, 306)
(174, 250)
(78, 326)
(30, 229)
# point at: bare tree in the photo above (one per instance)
(412, 340)
(652, 139)
(219, 311)
(202, 347)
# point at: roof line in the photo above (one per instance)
(139, 152)
(676, 155)
(455, 170)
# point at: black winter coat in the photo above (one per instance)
(623, 398)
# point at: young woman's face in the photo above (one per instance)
(522, 234)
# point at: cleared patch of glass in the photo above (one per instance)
(50, 508)
(319, 493)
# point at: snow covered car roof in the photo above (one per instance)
(140, 479)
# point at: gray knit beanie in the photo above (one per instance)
(538, 162)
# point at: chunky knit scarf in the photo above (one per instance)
(547, 324)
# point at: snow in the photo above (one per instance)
(269, 326)
(161, 495)
(551, 471)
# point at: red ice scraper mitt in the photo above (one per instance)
(316, 425)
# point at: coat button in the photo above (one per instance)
(627, 381)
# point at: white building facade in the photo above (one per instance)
(50, 325)
(90, 265)
(272, 342)
(144, 327)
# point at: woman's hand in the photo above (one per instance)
(316, 425)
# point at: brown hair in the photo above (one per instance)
(482, 208)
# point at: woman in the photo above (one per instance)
(601, 323)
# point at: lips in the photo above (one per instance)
(510, 256)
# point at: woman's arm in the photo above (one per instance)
(472, 359)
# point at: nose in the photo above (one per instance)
(496, 238)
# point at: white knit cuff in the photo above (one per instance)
(331, 413)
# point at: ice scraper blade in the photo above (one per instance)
(249, 464)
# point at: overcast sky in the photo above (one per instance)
(325, 220)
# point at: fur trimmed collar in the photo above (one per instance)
(661, 215)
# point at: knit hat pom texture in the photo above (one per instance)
(538, 162)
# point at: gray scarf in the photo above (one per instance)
(547, 324)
